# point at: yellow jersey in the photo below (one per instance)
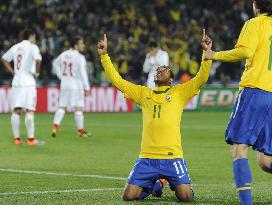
(161, 108)
(256, 36)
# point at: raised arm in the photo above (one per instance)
(203, 74)
(130, 90)
(244, 49)
(192, 87)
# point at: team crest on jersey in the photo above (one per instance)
(168, 98)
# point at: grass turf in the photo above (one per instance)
(111, 152)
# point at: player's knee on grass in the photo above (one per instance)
(132, 192)
(184, 193)
(130, 196)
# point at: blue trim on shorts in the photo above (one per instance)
(147, 171)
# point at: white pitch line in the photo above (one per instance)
(139, 126)
(61, 174)
(59, 191)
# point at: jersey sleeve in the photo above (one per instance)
(57, 66)
(36, 53)
(130, 90)
(236, 54)
(8, 56)
(249, 36)
(165, 59)
(146, 67)
(83, 73)
(192, 87)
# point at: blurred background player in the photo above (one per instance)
(251, 120)
(70, 67)
(154, 58)
(27, 60)
(161, 153)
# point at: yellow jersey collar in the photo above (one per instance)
(263, 14)
(161, 89)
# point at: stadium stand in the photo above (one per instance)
(175, 24)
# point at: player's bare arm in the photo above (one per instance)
(236, 54)
(8, 66)
(131, 90)
(202, 76)
(38, 67)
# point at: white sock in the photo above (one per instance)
(29, 123)
(79, 119)
(59, 114)
(15, 124)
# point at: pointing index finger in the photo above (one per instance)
(204, 32)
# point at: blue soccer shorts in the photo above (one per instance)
(147, 171)
(251, 120)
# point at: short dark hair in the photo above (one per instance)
(27, 33)
(265, 6)
(152, 44)
(74, 40)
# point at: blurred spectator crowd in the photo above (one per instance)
(176, 25)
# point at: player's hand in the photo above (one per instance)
(208, 55)
(86, 93)
(152, 53)
(36, 75)
(102, 45)
(206, 42)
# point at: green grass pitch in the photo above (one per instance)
(70, 170)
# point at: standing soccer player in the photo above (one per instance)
(70, 67)
(251, 120)
(27, 60)
(161, 156)
(154, 58)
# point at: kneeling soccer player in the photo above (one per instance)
(161, 156)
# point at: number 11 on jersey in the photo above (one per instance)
(157, 111)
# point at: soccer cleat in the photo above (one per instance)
(18, 141)
(159, 192)
(34, 141)
(84, 134)
(54, 132)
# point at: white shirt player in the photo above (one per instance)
(151, 63)
(70, 67)
(24, 56)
